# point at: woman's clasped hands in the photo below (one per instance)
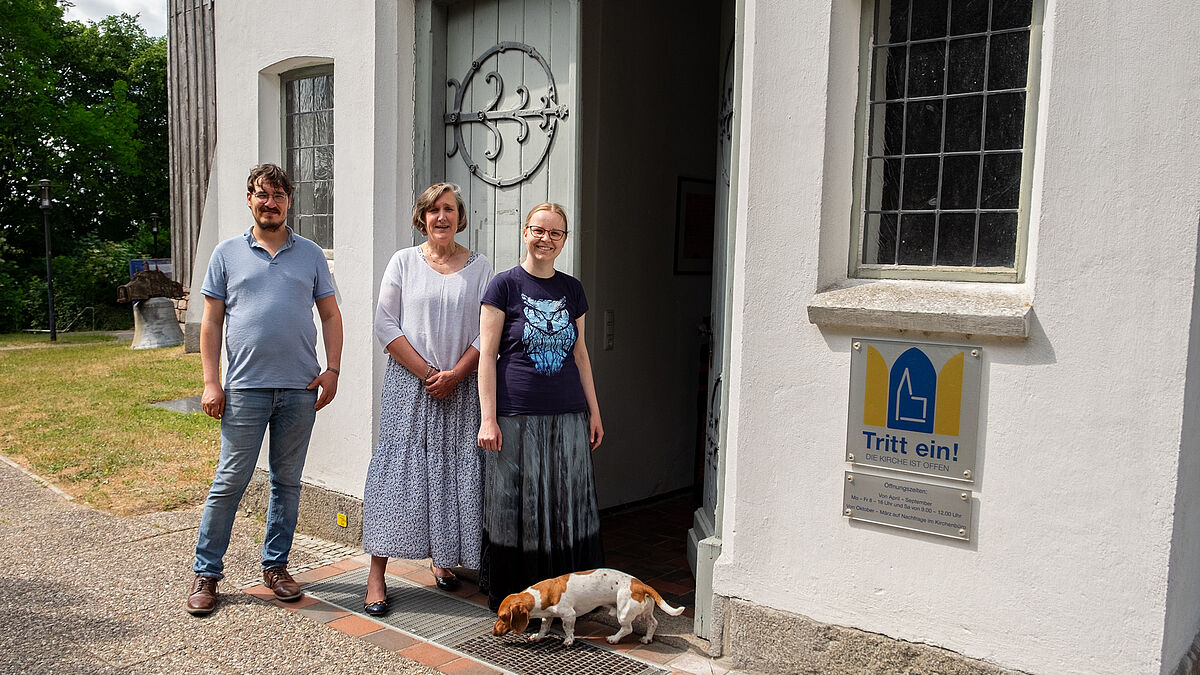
(442, 383)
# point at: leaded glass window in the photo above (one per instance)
(947, 98)
(308, 141)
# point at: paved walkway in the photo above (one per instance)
(89, 592)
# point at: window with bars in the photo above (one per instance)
(308, 151)
(947, 108)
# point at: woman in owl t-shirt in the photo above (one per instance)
(539, 419)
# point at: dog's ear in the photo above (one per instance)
(503, 618)
(518, 619)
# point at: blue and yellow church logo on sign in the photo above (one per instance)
(914, 407)
(912, 395)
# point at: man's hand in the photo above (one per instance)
(212, 402)
(327, 381)
(331, 332)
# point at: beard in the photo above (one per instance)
(270, 225)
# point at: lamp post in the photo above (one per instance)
(44, 198)
(154, 231)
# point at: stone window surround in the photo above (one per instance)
(934, 303)
(970, 308)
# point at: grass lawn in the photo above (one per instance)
(43, 339)
(80, 416)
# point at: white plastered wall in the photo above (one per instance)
(1076, 555)
(370, 47)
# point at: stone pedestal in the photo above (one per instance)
(155, 325)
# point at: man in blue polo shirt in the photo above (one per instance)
(261, 288)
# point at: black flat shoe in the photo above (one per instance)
(376, 608)
(448, 584)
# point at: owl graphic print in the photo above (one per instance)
(549, 333)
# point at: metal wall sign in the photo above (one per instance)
(919, 507)
(914, 407)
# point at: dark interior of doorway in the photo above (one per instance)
(650, 90)
(648, 540)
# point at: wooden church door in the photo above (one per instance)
(501, 94)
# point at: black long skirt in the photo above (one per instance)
(540, 517)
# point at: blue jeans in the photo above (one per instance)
(248, 412)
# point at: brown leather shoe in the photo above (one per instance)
(285, 587)
(203, 598)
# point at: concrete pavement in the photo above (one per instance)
(84, 591)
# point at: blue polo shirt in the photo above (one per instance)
(270, 335)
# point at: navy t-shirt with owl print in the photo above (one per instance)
(536, 373)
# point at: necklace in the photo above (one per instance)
(428, 251)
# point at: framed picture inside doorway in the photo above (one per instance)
(695, 206)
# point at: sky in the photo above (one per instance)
(153, 13)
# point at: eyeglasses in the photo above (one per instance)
(539, 232)
(264, 197)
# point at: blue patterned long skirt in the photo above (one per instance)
(540, 515)
(424, 490)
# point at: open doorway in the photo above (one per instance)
(632, 141)
(650, 90)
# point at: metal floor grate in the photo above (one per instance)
(325, 552)
(465, 627)
(425, 613)
(517, 654)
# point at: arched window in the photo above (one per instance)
(308, 150)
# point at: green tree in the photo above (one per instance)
(30, 39)
(13, 312)
(86, 107)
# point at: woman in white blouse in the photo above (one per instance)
(423, 496)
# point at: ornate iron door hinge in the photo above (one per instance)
(549, 115)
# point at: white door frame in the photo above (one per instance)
(706, 536)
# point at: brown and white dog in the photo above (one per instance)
(573, 595)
